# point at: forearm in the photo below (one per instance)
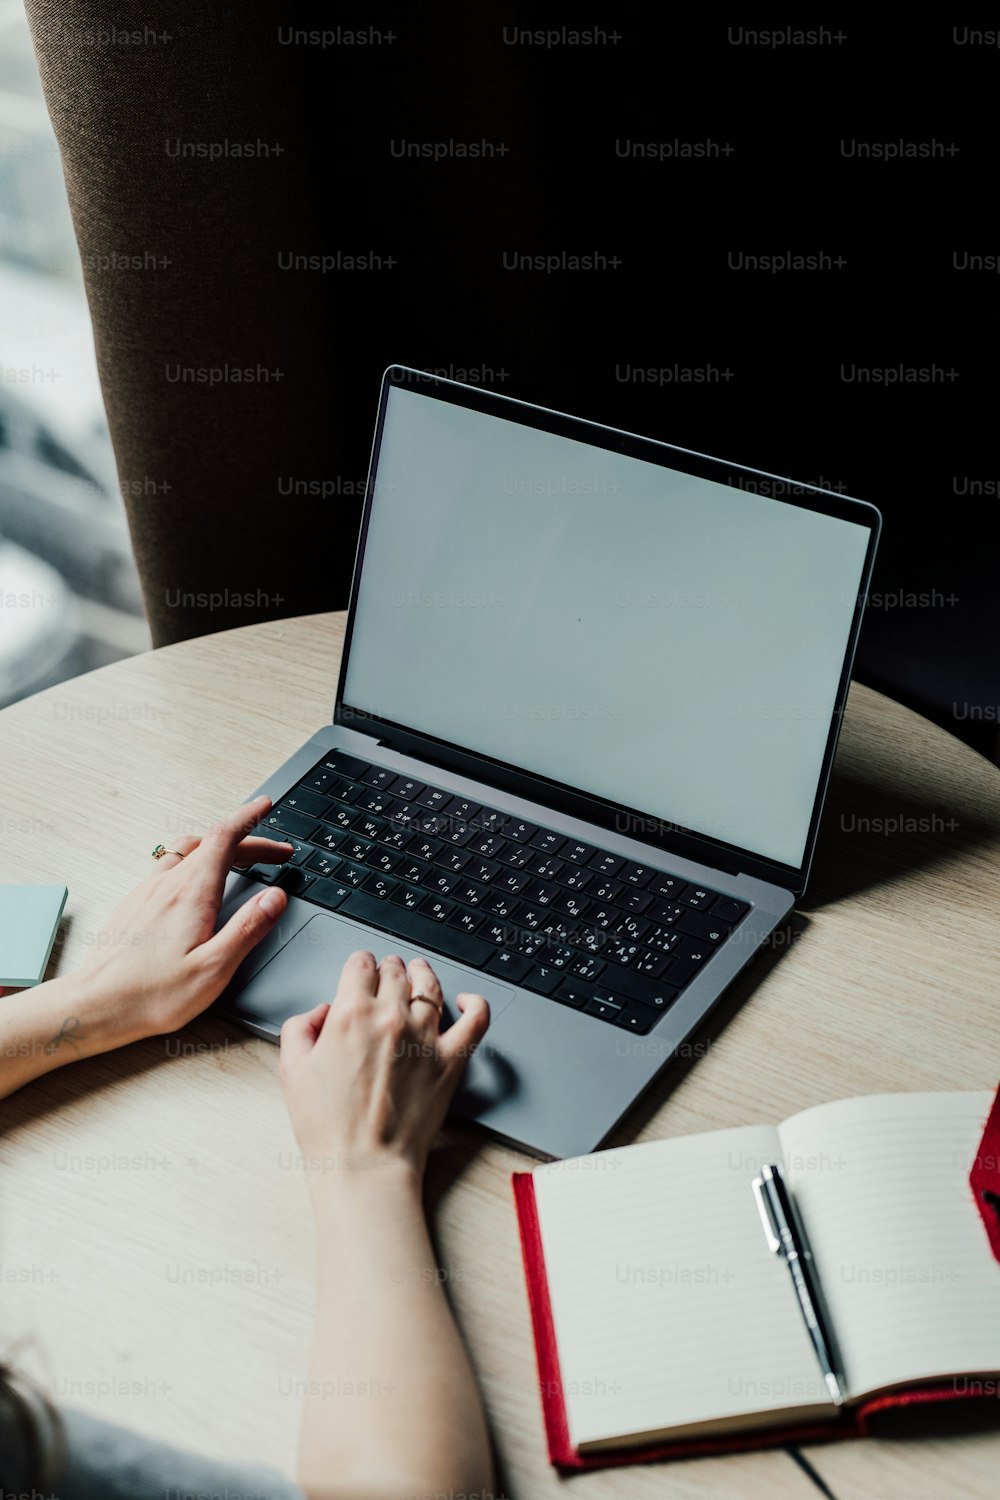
(59, 1022)
(392, 1405)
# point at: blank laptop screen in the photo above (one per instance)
(669, 643)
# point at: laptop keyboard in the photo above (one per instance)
(613, 939)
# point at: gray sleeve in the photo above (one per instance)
(104, 1462)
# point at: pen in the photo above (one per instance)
(785, 1236)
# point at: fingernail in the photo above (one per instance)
(270, 902)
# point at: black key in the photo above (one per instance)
(556, 931)
(573, 906)
(347, 791)
(636, 1018)
(510, 965)
(368, 826)
(288, 821)
(575, 878)
(452, 859)
(605, 890)
(630, 928)
(662, 938)
(634, 900)
(633, 874)
(651, 963)
(374, 777)
(411, 871)
(546, 866)
(352, 874)
(593, 942)
(356, 848)
(441, 882)
(396, 838)
(518, 856)
(431, 798)
(465, 921)
(641, 987)
(408, 790)
(458, 833)
(383, 859)
(304, 802)
(470, 894)
(486, 843)
(531, 916)
(461, 811)
(340, 817)
(606, 864)
(267, 874)
(665, 912)
(329, 838)
(621, 952)
(587, 967)
(728, 910)
(490, 821)
(405, 815)
(481, 869)
(329, 893)
(498, 933)
(513, 882)
(323, 864)
(604, 917)
(319, 780)
(605, 1009)
(540, 893)
(692, 950)
(417, 928)
(379, 886)
(437, 908)
(547, 843)
(529, 943)
(521, 833)
(405, 895)
(697, 897)
(423, 848)
(436, 824)
(666, 887)
(577, 853)
(704, 925)
(571, 992)
(499, 904)
(376, 802)
(560, 958)
(345, 765)
(543, 979)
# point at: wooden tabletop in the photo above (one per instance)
(155, 1238)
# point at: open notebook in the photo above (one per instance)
(660, 1315)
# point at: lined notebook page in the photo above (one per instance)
(668, 1308)
(882, 1184)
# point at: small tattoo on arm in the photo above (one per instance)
(66, 1033)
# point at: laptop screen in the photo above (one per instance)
(670, 643)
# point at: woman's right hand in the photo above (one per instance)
(368, 1080)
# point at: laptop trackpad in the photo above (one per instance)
(306, 970)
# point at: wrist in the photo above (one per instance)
(354, 1181)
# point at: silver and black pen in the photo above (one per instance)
(785, 1236)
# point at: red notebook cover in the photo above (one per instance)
(985, 1177)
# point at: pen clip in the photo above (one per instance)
(763, 1208)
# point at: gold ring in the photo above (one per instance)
(160, 851)
(428, 1001)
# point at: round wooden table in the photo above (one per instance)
(155, 1239)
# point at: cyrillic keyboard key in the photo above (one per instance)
(379, 886)
(322, 863)
(294, 880)
(437, 908)
(405, 895)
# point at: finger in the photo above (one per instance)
(254, 851)
(300, 1033)
(211, 861)
(244, 930)
(424, 981)
(460, 1041)
(359, 976)
(393, 981)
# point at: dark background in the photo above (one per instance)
(922, 451)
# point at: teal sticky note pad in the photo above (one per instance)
(29, 918)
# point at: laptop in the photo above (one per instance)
(588, 703)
